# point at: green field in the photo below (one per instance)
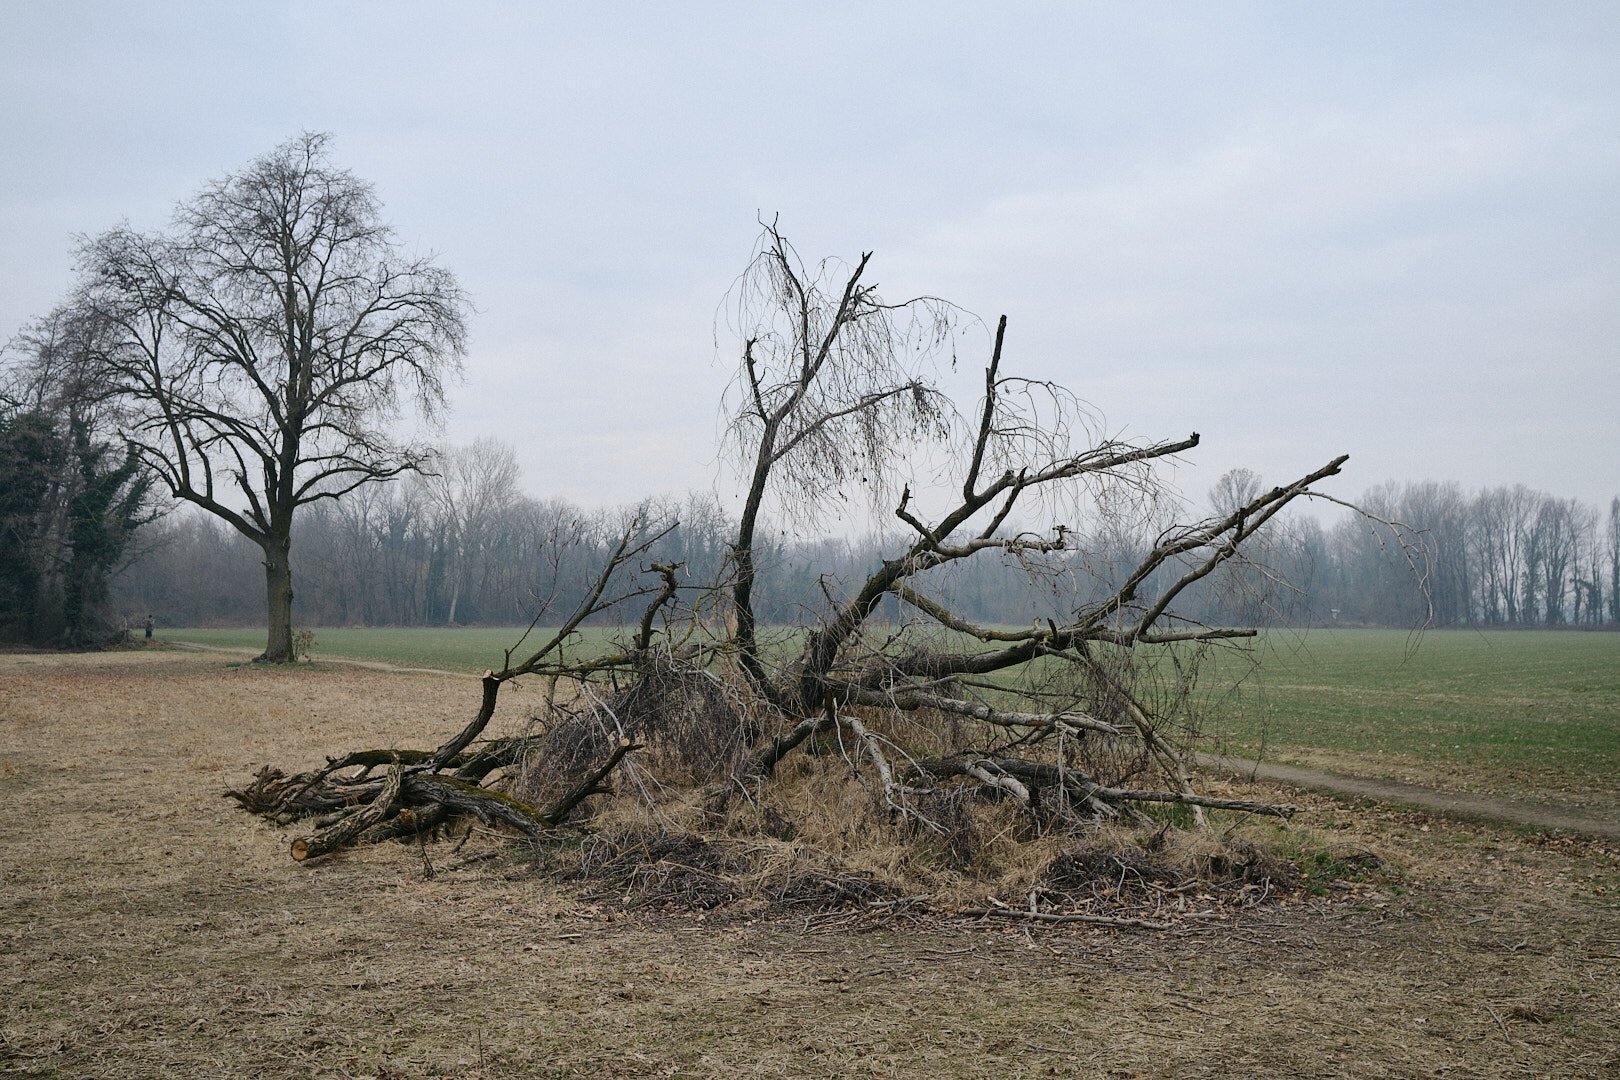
(469, 649)
(1530, 714)
(1511, 713)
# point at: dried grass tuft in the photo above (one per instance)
(688, 722)
(822, 832)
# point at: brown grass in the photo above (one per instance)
(151, 929)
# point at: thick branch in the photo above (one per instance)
(592, 784)
(665, 595)
(1087, 788)
(908, 700)
(475, 727)
(329, 840)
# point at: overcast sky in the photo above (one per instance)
(1300, 229)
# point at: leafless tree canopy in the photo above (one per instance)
(835, 384)
(469, 489)
(263, 344)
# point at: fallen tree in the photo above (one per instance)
(1077, 719)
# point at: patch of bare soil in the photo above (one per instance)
(148, 928)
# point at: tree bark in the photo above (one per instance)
(279, 593)
(330, 839)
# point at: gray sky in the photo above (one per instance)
(1300, 229)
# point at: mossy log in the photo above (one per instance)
(488, 805)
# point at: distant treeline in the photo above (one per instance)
(1505, 556)
(468, 547)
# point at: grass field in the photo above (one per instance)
(1527, 714)
(469, 649)
(1513, 713)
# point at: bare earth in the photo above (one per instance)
(148, 928)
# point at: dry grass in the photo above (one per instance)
(150, 929)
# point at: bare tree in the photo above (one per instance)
(1502, 529)
(1557, 536)
(831, 388)
(1613, 538)
(1235, 488)
(470, 488)
(263, 345)
(1241, 587)
(1586, 569)
(845, 368)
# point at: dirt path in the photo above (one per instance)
(1467, 806)
(346, 661)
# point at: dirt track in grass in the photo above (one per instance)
(148, 928)
(1459, 804)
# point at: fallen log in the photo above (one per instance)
(414, 797)
(351, 826)
(488, 805)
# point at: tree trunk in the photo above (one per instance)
(279, 594)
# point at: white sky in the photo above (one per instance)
(1300, 229)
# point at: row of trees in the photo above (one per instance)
(1504, 556)
(408, 555)
(466, 545)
